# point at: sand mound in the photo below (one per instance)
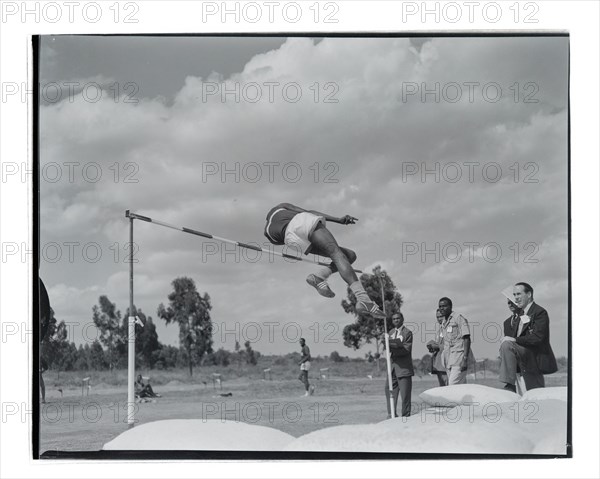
(540, 394)
(555, 444)
(475, 427)
(198, 435)
(495, 428)
(434, 432)
(466, 394)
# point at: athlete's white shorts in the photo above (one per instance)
(299, 230)
(305, 366)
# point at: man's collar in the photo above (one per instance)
(527, 308)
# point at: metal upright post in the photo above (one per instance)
(130, 335)
(387, 352)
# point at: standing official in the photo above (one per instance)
(401, 363)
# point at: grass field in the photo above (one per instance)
(72, 422)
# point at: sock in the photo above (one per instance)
(359, 291)
(324, 272)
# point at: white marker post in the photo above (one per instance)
(387, 352)
(130, 337)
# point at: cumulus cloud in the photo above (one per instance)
(337, 129)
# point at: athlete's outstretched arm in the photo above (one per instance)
(344, 220)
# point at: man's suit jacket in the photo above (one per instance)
(401, 353)
(535, 336)
(508, 328)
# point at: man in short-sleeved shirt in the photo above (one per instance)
(457, 343)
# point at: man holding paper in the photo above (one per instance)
(530, 348)
(401, 339)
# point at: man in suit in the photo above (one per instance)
(401, 363)
(511, 324)
(529, 349)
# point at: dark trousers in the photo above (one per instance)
(402, 386)
(442, 378)
(513, 356)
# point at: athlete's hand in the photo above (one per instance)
(348, 220)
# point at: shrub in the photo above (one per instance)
(335, 357)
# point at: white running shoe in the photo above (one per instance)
(320, 285)
(369, 308)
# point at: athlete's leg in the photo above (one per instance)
(318, 280)
(324, 244)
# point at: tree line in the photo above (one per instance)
(190, 310)
(108, 350)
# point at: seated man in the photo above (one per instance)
(307, 232)
(529, 349)
(511, 324)
(143, 390)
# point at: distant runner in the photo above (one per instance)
(305, 367)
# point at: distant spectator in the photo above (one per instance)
(305, 366)
(144, 390)
(43, 369)
(44, 323)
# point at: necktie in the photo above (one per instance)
(515, 321)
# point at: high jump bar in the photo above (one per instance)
(239, 244)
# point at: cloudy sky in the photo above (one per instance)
(452, 152)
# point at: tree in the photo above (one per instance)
(98, 360)
(239, 354)
(165, 357)
(335, 357)
(367, 329)
(107, 319)
(191, 312)
(52, 343)
(56, 350)
(221, 357)
(146, 339)
(83, 354)
(146, 342)
(250, 354)
(69, 357)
